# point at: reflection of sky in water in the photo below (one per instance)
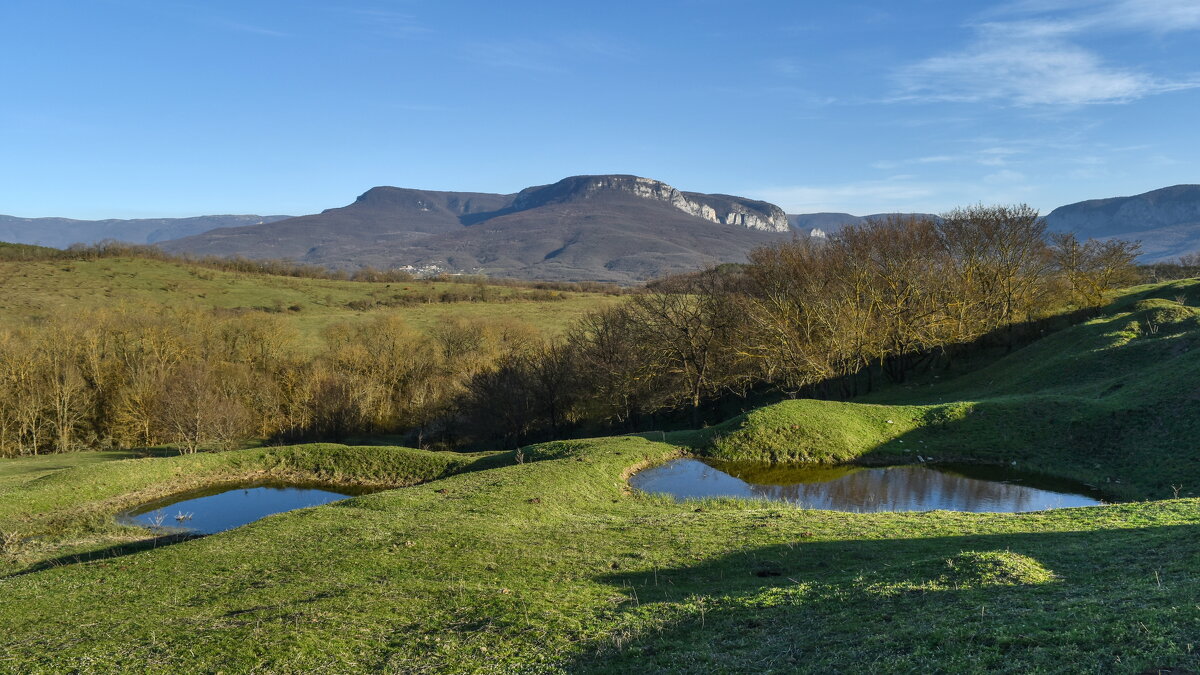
(898, 488)
(230, 509)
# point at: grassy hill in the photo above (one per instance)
(1111, 402)
(34, 289)
(551, 564)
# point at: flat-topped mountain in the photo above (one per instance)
(62, 232)
(616, 228)
(1166, 221)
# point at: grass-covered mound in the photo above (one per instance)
(1114, 402)
(40, 505)
(551, 565)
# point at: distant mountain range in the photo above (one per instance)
(62, 232)
(829, 223)
(1166, 221)
(615, 228)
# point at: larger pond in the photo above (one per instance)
(225, 507)
(867, 489)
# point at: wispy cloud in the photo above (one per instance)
(991, 156)
(247, 28)
(996, 156)
(899, 193)
(1164, 16)
(1159, 16)
(206, 15)
(528, 55)
(1029, 57)
(786, 67)
(859, 197)
(421, 107)
(546, 55)
(389, 23)
(1004, 177)
(888, 164)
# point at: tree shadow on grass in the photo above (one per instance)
(1085, 601)
(106, 553)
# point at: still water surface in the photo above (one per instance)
(225, 507)
(867, 489)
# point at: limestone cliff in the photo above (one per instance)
(724, 209)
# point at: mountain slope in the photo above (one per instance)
(614, 228)
(62, 232)
(832, 222)
(1166, 221)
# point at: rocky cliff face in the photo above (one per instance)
(713, 208)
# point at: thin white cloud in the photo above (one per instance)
(995, 156)
(546, 56)
(389, 23)
(1004, 176)
(1035, 61)
(858, 197)
(255, 30)
(786, 67)
(1030, 72)
(1161, 16)
(421, 107)
(901, 193)
(933, 159)
(525, 55)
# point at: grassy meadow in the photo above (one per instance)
(545, 560)
(38, 289)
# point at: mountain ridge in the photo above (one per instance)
(63, 232)
(1165, 220)
(608, 227)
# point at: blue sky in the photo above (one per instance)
(138, 108)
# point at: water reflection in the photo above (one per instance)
(225, 507)
(864, 489)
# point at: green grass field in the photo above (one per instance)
(547, 562)
(37, 289)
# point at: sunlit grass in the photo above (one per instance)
(39, 289)
(551, 563)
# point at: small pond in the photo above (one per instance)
(224, 507)
(865, 489)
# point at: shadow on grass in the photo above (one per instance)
(106, 553)
(1084, 601)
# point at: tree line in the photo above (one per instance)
(800, 318)
(130, 378)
